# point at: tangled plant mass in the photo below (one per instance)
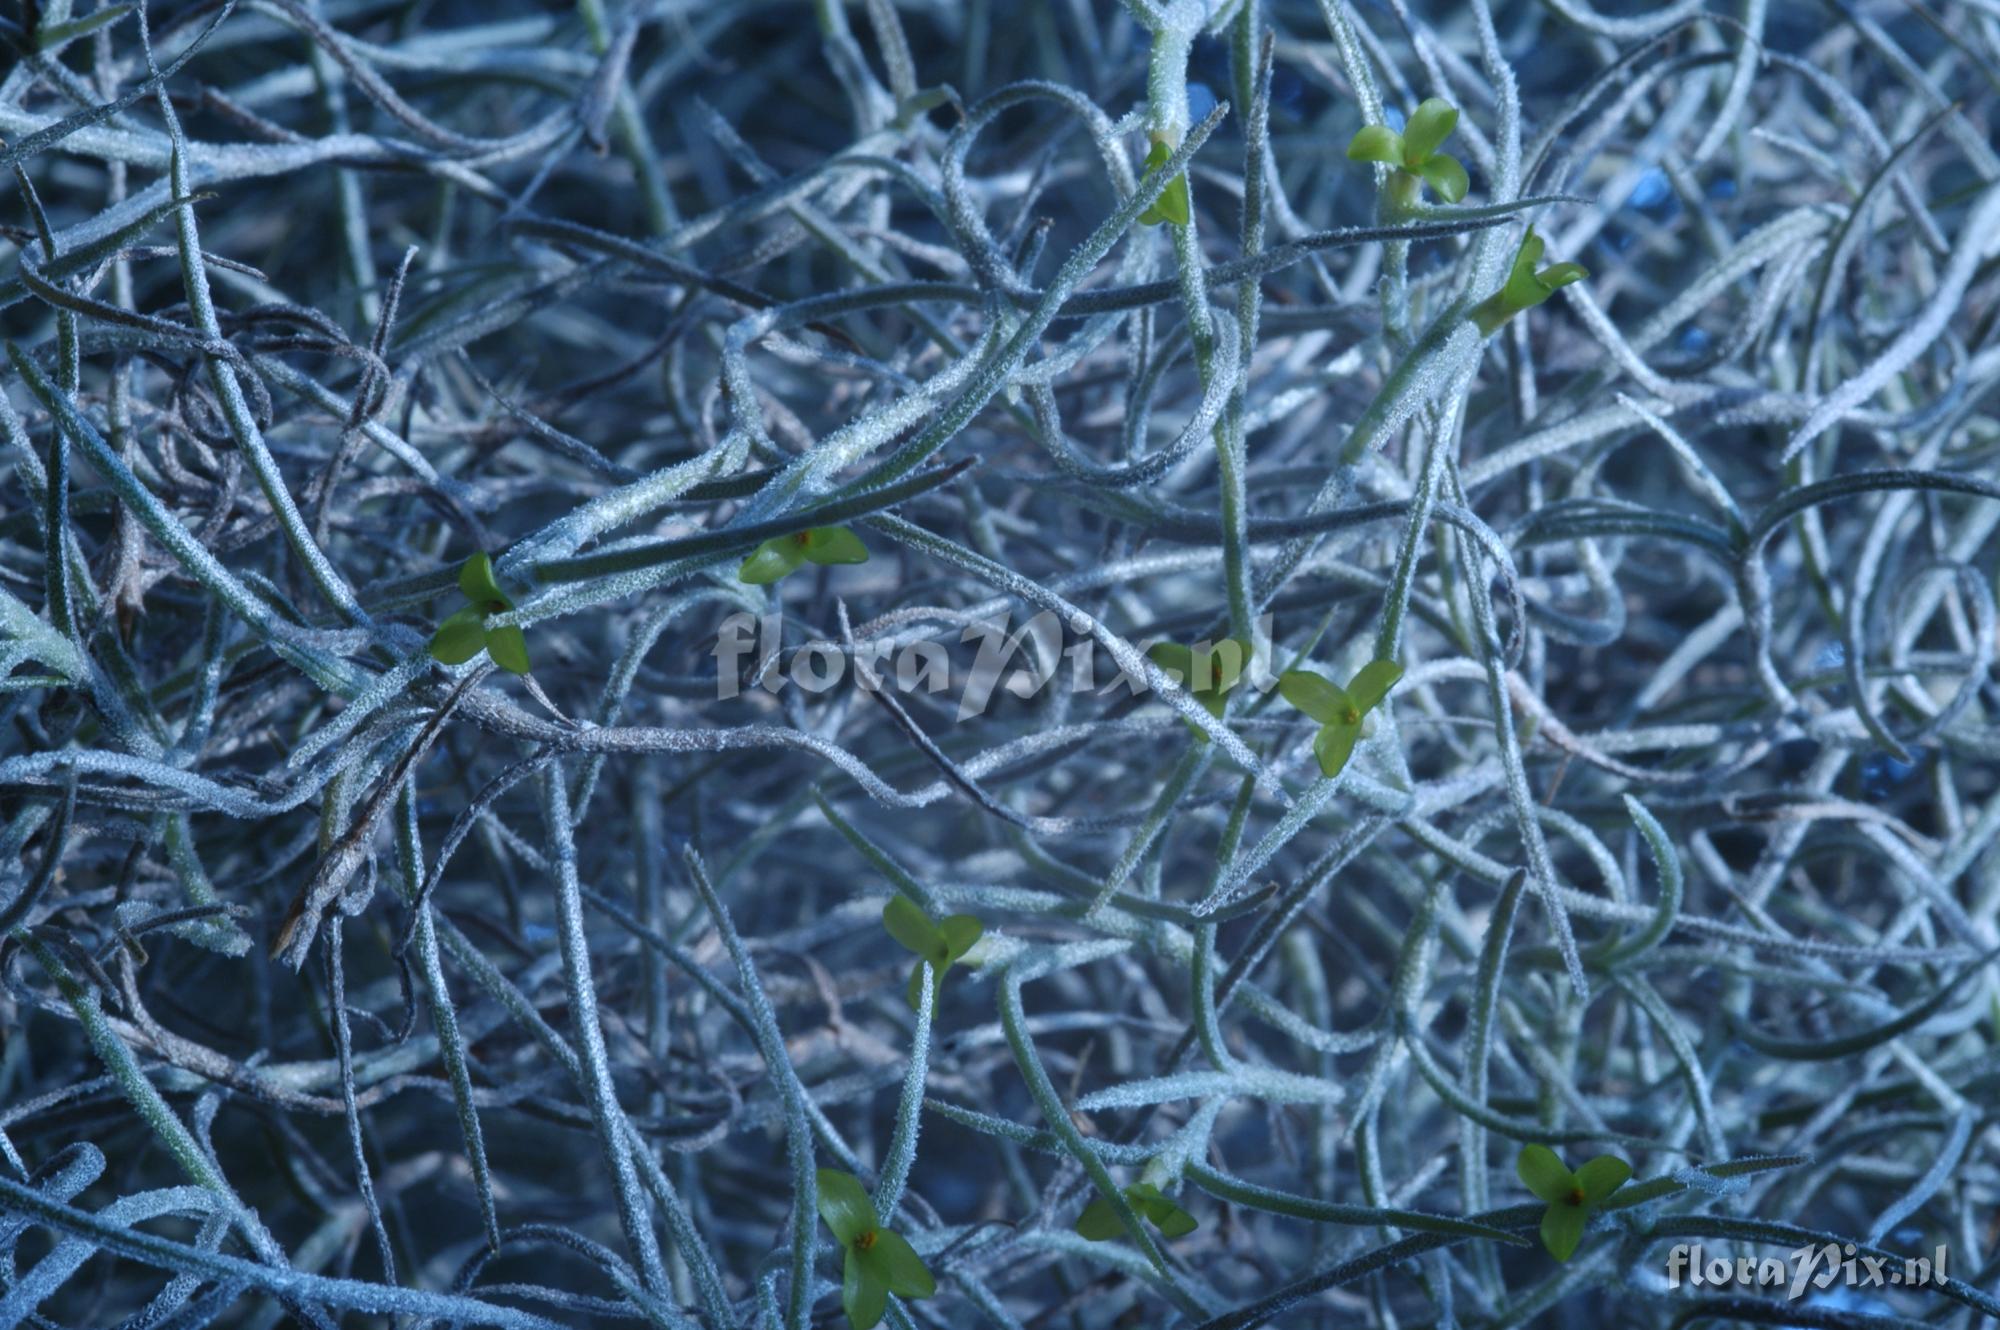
(405, 919)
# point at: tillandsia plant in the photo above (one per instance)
(785, 554)
(1571, 1197)
(1525, 288)
(1687, 841)
(943, 942)
(1339, 711)
(1100, 1223)
(1208, 671)
(876, 1261)
(1413, 156)
(465, 633)
(1174, 204)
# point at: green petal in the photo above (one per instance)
(1334, 745)
(1220, 665)
(1315, 694)
(1522, 290)
(771, 561)
(909, 925)
(1543, 1172)
(1430, 125)
(862, 1296)
(1212, 701)
(960, 932)
(1560, 275)
(1376, 143)
(509, 649)
(1099, 1222)
(1171, 1220)
(459, 638)
(1446, 177)
(835, 544)
(904, 1270)
(1562, 1228)
(1172, 205)
(1602, 1176)
(475, 579)
(844, 1205)
(1373, 683)
(914, 990)
(1175, 659)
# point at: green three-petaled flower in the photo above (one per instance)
(879, 1262)
(1570, 1196)
(942, 943)
(1207, 672)
(1100, 1223)
(463, 635)
(1173, 205)
(1338, 710)
(1413, 154)
(783, 554)
(1525, 287)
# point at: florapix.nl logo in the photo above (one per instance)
(1818, 1268)
(989, 656)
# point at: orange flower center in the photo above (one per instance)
(1350, 717)
(865, 1240)
(803, 538)
(1576, 1195)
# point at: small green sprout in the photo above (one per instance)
(1173, 204)
(1338, 710)
(879, 1262)
(1413, 154)
(1208, 673)
(943, 943)
(1571, 1196)
(783, 554)
(1525, 287)
(1099, 1221)
(463, 635)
